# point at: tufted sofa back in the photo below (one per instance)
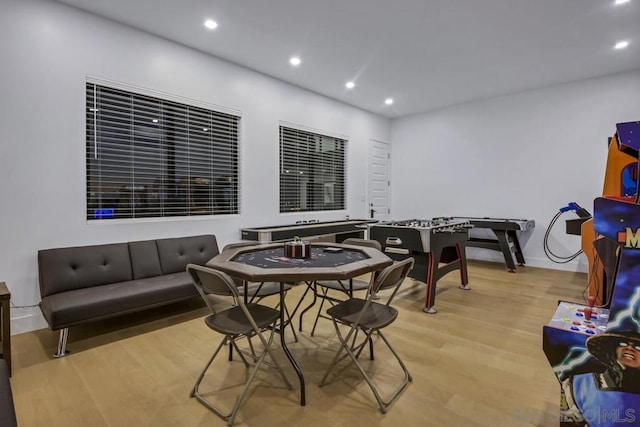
(176, 253)
(65, 269)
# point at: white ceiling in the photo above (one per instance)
(425, 54)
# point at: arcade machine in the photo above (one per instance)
(621, 180)
(594, 348)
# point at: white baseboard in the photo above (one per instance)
(27, 320)
(578, 265)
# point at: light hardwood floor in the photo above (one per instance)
(477, 362)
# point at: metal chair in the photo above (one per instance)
(255, 292)
(240, 320)
(370, 317)
(343, 287)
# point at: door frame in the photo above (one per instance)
(373, 141)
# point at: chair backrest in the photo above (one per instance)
(212, 282)
(392, 277)
(363, 242)
(366, 243)
(239, 282)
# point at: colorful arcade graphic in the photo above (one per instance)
(594, 351)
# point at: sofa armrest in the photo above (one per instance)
(7, 409)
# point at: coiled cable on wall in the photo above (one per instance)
(559, 259)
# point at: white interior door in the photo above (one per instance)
(379, 181)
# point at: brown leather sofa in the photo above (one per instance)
(88, 283)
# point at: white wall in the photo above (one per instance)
(518, 156)
(47, 50)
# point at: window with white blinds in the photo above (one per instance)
(151, 157)
(312, 171)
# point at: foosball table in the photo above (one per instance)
(436, 245)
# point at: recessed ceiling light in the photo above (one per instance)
(621, 45)
(388, 101)
(619, 2)
(155, 120)
(350, 85)
(295, 61)
(210, 24)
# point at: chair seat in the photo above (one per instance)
(233, 321)
(343, 285)
(371, 317)
(377, 315)
(263, 289)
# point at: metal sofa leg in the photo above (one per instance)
(62, 343)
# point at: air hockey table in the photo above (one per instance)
(506, 231)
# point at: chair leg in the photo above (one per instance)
(230, 417)
(325, 297)
(290, 320)
(315, 299)
(255, 298)
(336, 358)
(382, 403)
(354, 359)
(232, 343)
(252, 375)
(194, 390)
(267, 349)
(361, 347)
(405, 381)
(253, 350)
(370, 349)
(315, 322)
(358, 349)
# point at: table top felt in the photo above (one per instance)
(274, 258)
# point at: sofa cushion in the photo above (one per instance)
(176, 253)
(144, 259)
(65, 269)
(88, 304)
